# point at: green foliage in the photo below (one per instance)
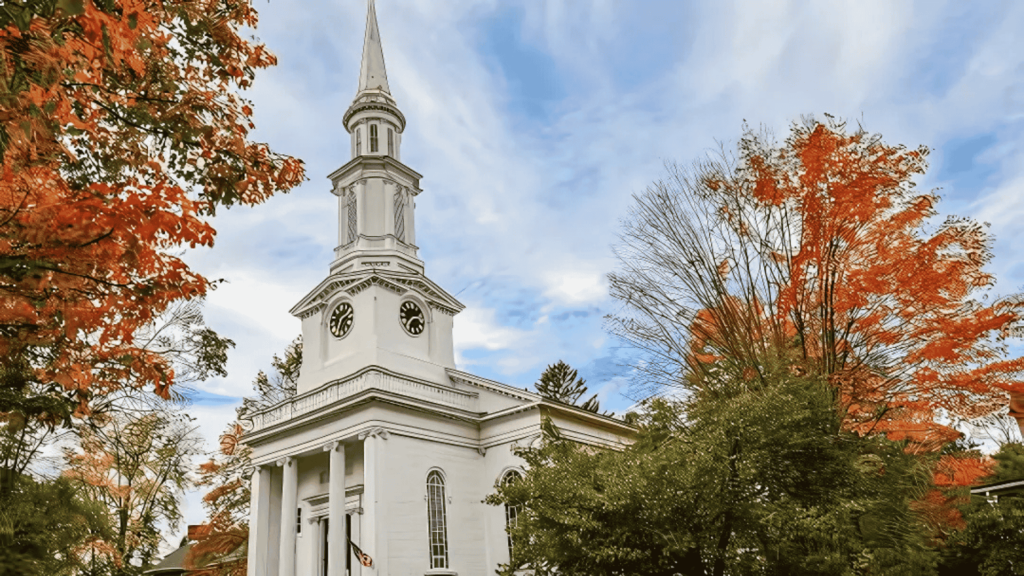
(992, 541)
(559, 382)
(280, 385)
(991, 544)
(754, 479)
(47, 528)
(139, 468)
(1010, 463)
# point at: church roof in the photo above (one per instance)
(372, 75)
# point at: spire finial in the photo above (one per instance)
(372, 75)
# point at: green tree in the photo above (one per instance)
(756, 478)
(50, 528)
(992, 539)
(1009, 463)
(560, 382)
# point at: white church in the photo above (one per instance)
(387, 443)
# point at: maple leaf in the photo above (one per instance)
(106, 106)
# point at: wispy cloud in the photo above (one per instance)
(535, 121)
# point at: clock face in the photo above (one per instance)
(412, 318)
(341, 320)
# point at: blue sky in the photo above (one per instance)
(534, 121)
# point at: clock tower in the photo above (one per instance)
(376, 308)
(387, 445)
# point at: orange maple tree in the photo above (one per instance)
(822, 243)
(138, 467)
(121, 132)
(219, 549)
(892, 310)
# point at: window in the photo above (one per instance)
(400, 215)
(391, 142)
(511, 512)
(359, 141)
(298, 521)
(436, 520)
(373, 138)
(352, 219)
(325, 526)
(348, 538)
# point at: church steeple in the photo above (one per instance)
(376, 307)
(376, 224)
(372, 74)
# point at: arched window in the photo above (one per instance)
(359, 141)
(352, 219)
(436, 520)
(391, 142)
(511, 512)
(373, 138)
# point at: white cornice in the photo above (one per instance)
(582, 414)
(396, 281)
(359, 166)
(503, 389)
(511, 411)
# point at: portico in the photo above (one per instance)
(340, 498)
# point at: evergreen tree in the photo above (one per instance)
(561, 383)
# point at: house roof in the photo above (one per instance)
(1005, 488)
(173, 563)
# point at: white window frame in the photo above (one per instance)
(511, 512)
(437, 522)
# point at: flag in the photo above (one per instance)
(363, 557)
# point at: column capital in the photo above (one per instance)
(374, 432)
(286, 461)
(334, 445)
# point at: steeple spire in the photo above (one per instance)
(372, 75)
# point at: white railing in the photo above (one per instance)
(369, 380)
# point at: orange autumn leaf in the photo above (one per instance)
(104, 113)
(891, 311)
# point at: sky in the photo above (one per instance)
(535, 121)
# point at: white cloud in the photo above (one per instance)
(536, 201)
(476, 327)
(574, 287)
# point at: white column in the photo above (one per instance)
(289, 503)
(337, 547)
(259, 521)
(372, 533)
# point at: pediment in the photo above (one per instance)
(357, 281)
